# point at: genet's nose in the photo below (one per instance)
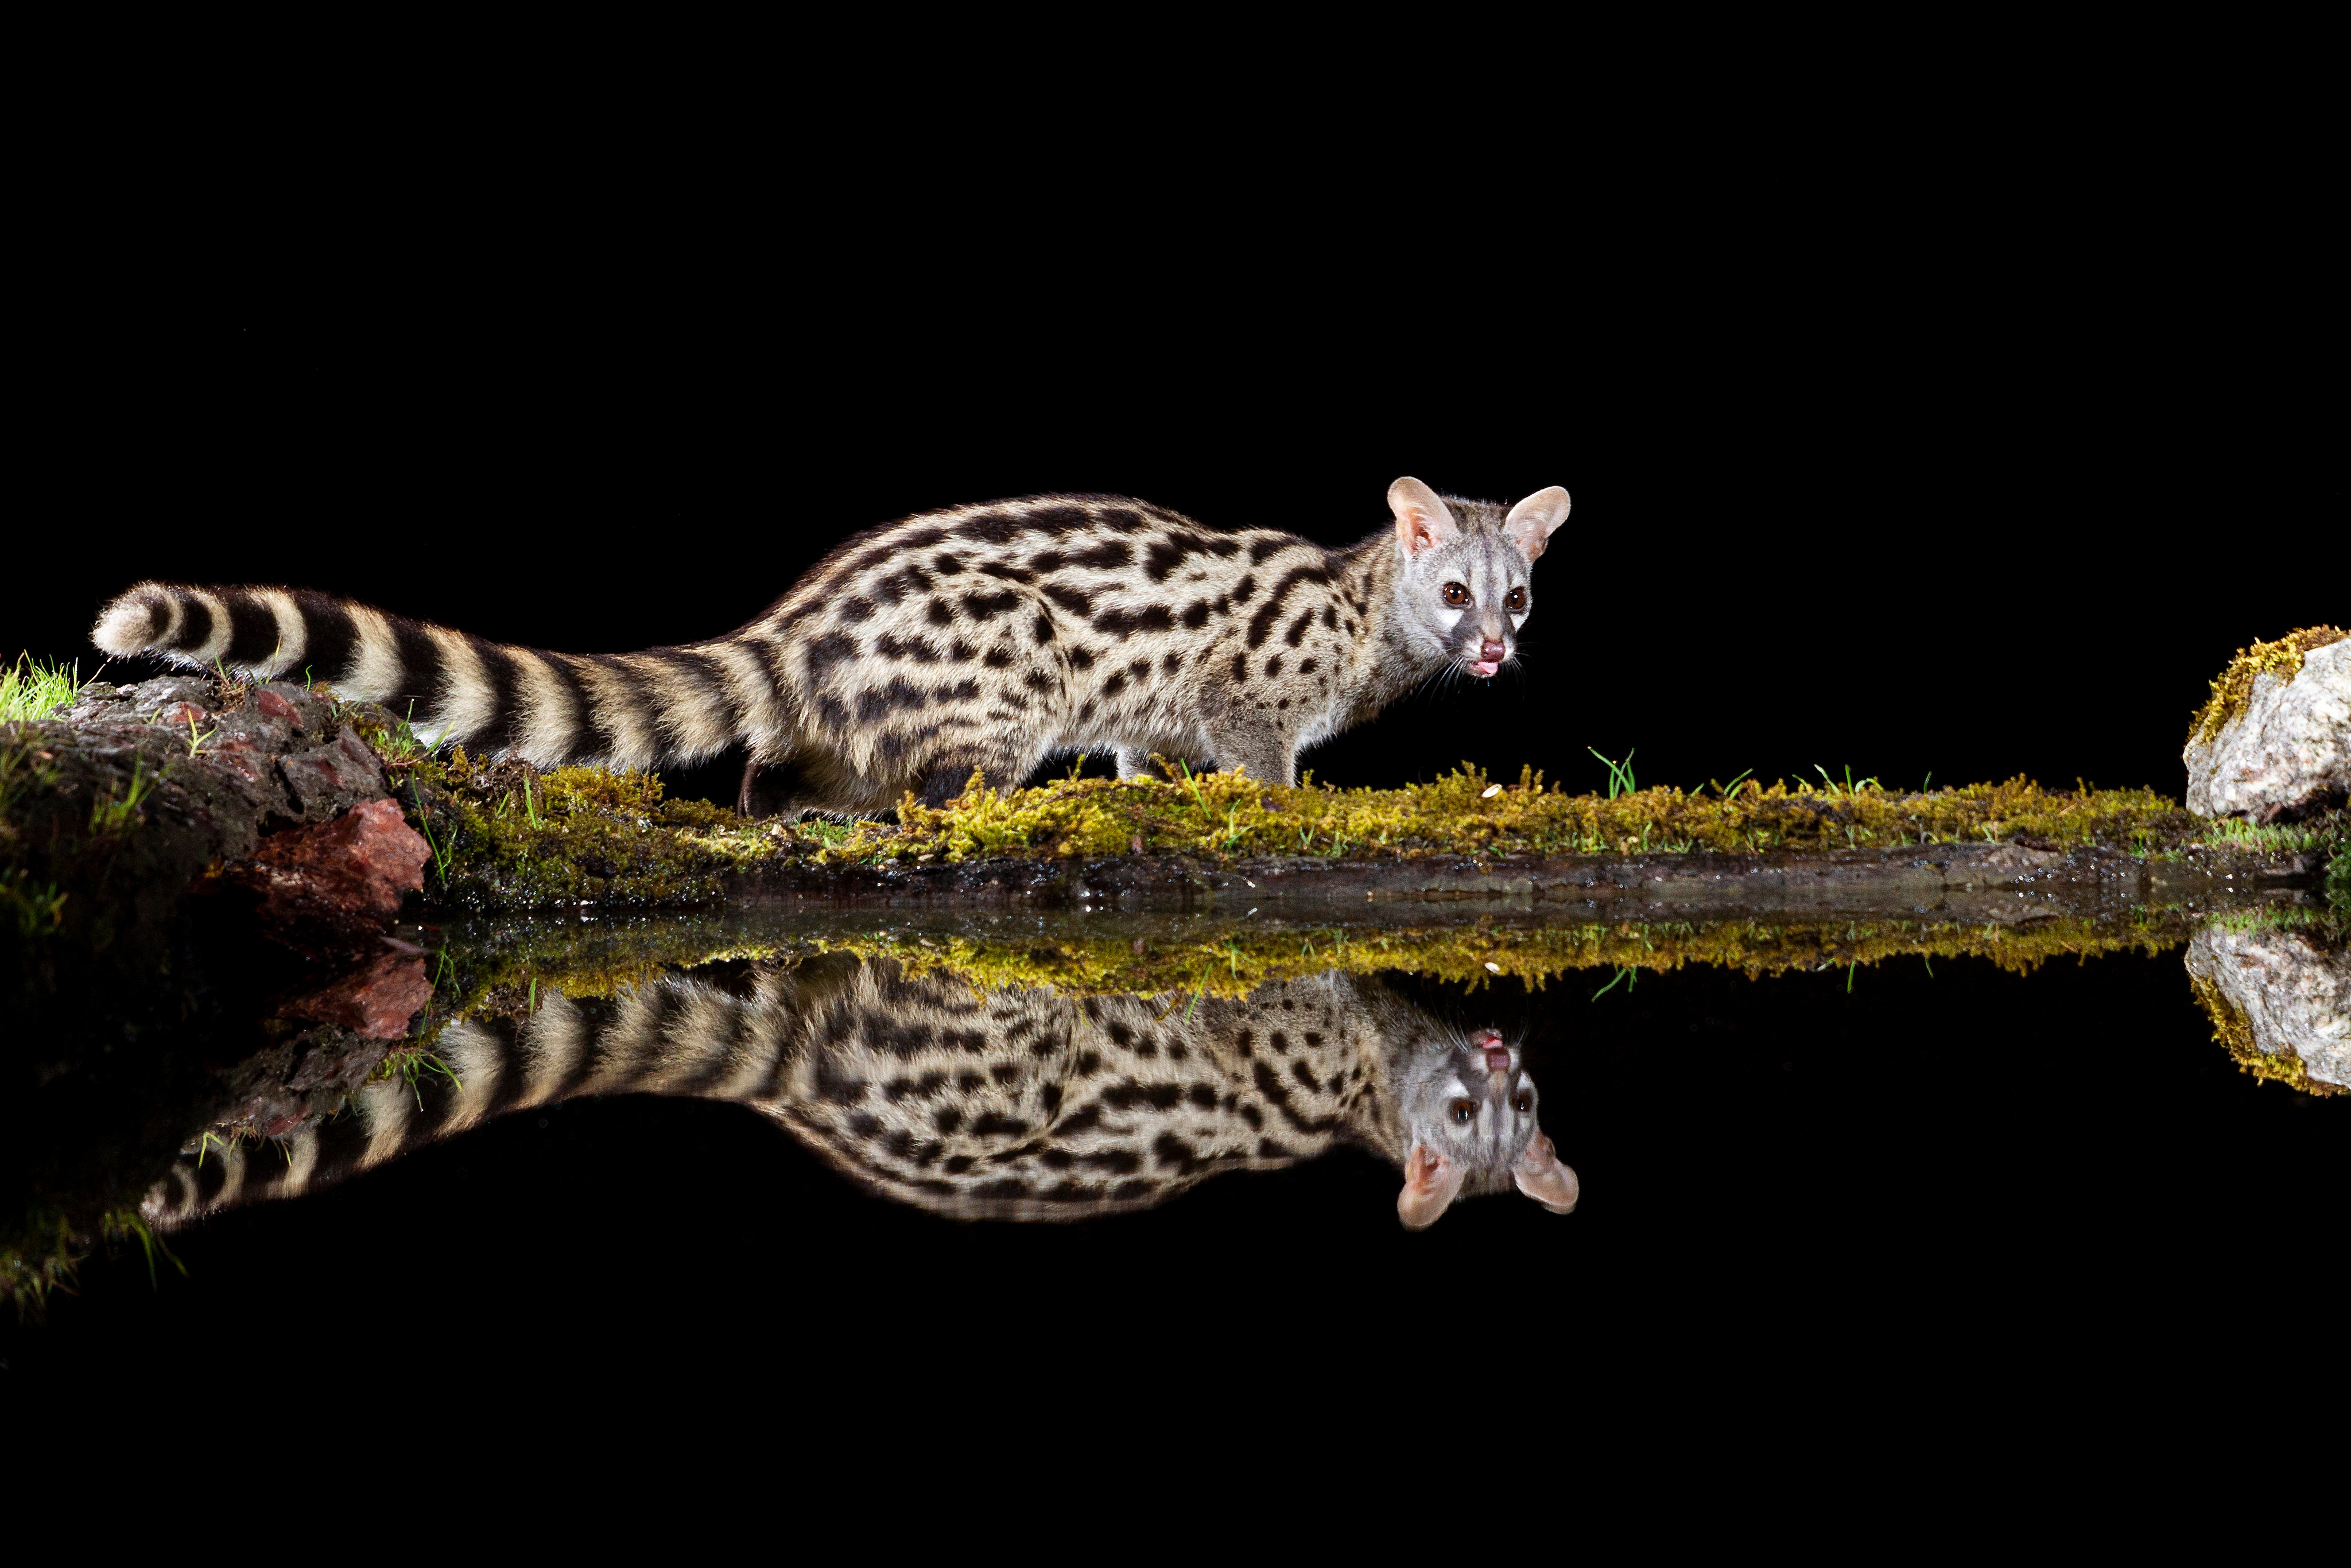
(1491, 652)
(1498, 1058)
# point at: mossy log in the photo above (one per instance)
(140, 798)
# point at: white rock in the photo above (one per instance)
(2295, 995)
(2289, 745)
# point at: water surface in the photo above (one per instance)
(596, 1127)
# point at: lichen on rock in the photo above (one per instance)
(2274, 740)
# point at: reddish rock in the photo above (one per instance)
(377, 1001)
(275, 706)
(339, 882)
(180, 715)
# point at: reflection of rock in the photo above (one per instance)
(2287, 749)
(2280, 1000)
(300, 1080)
(376, 1001)
(339, 882)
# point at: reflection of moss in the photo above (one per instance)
(44, 1255)
(2235, 1032)
(1236, 962)
(518, 965)
(2234, 686)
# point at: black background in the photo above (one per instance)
(1976, 448)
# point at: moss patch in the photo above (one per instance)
(1231, 815)
(508, 837)
(2233, 687)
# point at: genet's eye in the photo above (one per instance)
(1524, 1103)
(1456, 594)
(1462, 1111)
(1517, 601)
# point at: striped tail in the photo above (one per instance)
(661, 707)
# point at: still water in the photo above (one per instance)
(591, 1126)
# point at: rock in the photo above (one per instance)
(152, 697)
(298, 705)
(339, 883)
(2285, 995)
(2287, 751)
(326, 780)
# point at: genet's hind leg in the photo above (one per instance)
(773, 789)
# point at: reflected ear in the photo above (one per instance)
(1431, 1181)
(1541, 1177)
(1422, 518)
(1534, 520)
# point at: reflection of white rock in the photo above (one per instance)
(2290, 745)
(2294, 995)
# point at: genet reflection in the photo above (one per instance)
(975, 1100)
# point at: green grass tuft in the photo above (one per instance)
(31, 689)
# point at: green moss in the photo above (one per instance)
(2233, 687)
(506, 836)
(1228, 815)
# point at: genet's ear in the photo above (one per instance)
(1534, 520)
(1422, 518)
(1431, 1182)
(1541, 1177)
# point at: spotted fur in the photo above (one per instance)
(983, 637)
(1001, 1103)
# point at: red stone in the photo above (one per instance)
(272, 705)
(179, 716)
(340, 879)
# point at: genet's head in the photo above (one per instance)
(1470, 1123)
(1467, 566)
